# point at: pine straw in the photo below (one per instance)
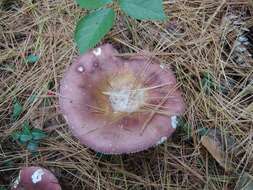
(45, 28)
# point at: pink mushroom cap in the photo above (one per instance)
(36, 178)
(116, 105)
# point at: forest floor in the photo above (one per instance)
(208, 44)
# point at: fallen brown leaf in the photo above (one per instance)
(213, 143)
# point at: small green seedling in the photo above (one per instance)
(208, 83)
(184, 127)
(32, 58)
(187, 129)
(33, 98)
(17, 110)
(93, 27)
(29, 137)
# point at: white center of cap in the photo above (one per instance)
(37, 176)
(126, 100)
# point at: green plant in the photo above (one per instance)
(93, 27)
(17, 110)
(29, 137)
(32, 58)
(208, 83)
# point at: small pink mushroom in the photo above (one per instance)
(115, 106)
(36, 178)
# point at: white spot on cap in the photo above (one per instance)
(16, 182)
(65, 86)
(161, 140)
(174, 122)
(37, 176)
(80, 69)
(97, 51)
(162, 66)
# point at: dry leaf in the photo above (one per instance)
(213, 143)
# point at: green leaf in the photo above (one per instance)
(92, 4)
(93, 27)
(32, 58)
(50, 85)
(208, 83)
(33, 98)
(26, 128)
(185, 127)
(17, 110)
(47, 102)
(143, 9)
(15, 135)
(32, 146)
(38, 134)
(8, 163)
(25, 138)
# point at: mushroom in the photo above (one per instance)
(116, 105)
(35, 178)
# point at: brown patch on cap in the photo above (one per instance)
(119, 106)
(36, 178)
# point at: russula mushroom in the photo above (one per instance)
(117, 106)
(35, 178)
